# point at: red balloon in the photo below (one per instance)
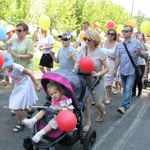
(2, 59)
(95, 25)
(66, 120)
(86, 64)
(110, 24)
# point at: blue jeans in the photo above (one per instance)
(127, 84)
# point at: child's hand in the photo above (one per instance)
(70, 54)
(38, 88)
(52, 54)
(59, 108)
(138, 51)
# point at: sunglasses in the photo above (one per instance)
(64, 39)
(19, 30)
(112, 34)
(86, 39)
(126, 31)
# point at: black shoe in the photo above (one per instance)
(139, 94)
(133, 97)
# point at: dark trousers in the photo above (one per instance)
(138, 82)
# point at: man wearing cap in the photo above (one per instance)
(67, 54)
(80, 41)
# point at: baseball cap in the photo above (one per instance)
(8, 60)
(65, 34)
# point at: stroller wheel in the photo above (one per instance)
(90, 139)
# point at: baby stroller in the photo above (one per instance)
(75, 88)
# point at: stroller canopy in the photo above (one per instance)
(73, 82)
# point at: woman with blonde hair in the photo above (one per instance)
(92, 50)
(46, 45)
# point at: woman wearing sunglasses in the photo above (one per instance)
(21, 50)
(21, 47)
(110, 46)
(99, 56)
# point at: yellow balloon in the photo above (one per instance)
(145, 27)
(119, 28)
(44, 22)
(82, 36)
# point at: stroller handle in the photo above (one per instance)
(83, 73)
(87, 74)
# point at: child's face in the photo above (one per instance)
(55, 93)
(9, 68)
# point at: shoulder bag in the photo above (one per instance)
(138, 71)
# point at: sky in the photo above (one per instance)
(138, 4)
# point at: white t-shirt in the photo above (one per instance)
(45, 42)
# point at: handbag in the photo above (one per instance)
(49, 113)
(138, 71)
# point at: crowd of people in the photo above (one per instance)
(113, 66)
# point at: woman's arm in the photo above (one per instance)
(104, 71)
(48, 47)
(25, 56)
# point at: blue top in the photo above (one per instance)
(64, 59)
(126, 67)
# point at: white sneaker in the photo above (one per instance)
(121, 110)
(36, 138)
(27, 122)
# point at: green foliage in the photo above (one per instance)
(66, 14)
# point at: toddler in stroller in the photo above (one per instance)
(74, 88)
(59, 102)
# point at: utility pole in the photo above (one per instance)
(132, 9)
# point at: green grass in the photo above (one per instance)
(37, 60)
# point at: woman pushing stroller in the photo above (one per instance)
(59, 102)
(92, 50)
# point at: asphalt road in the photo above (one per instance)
(130, 131)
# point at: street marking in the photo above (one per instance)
(106, 134)
(125, 136)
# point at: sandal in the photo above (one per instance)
(101, 117)
(86, 128)
(29, 114)
(107, 101)
(18, 127)
(93, 103)
(12, 113)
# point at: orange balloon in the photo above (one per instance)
(82, 36)
(131, 23)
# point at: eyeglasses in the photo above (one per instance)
(19, 30)
(86, 39)
(112, 34)
(126, 31)
(64, 39)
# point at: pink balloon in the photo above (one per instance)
(86, 64)
(110, 24)
(95, 25)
